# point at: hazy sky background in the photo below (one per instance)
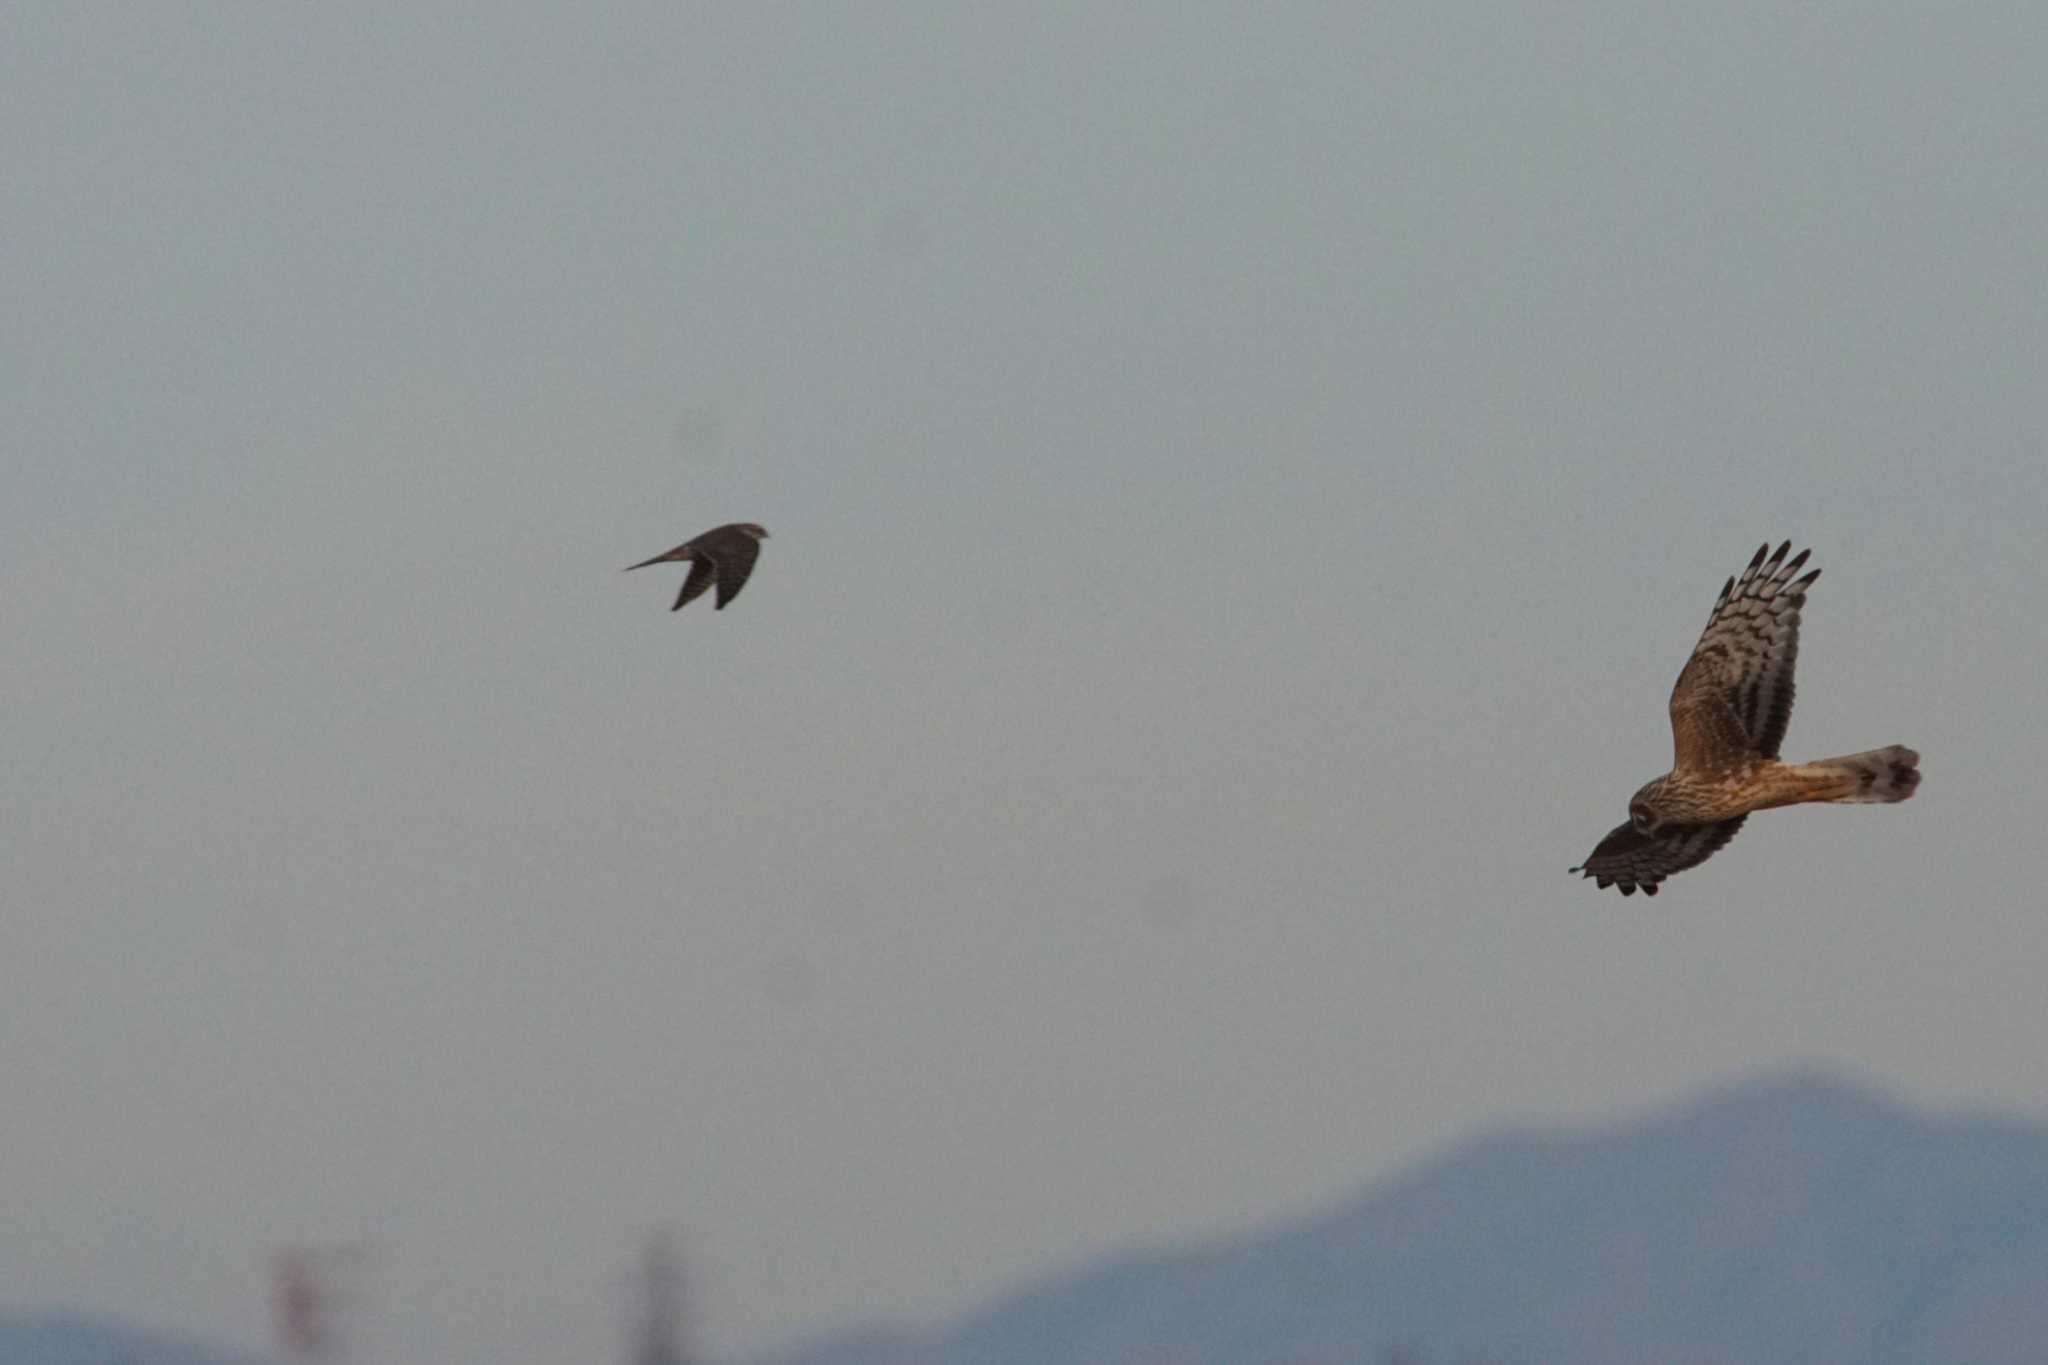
(1243, 480)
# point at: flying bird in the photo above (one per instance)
(1728, 717)
(724, 555)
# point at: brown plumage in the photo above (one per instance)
(1728, 716)
(724, 555)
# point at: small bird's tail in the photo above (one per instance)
(1888, 774)
(670, 558)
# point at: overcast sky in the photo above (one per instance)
(1242, 483)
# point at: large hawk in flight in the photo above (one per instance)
(1728, 716)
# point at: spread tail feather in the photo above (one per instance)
(1888, 774)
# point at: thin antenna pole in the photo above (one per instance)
(661, 1339)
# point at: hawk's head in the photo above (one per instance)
(1644, 812)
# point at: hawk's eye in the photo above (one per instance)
(1640, 818)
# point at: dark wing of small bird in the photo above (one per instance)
(702, 572)
(1628, 860)
(735, 560)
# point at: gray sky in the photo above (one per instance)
(1242, 485)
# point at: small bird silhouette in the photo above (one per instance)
(724, 555)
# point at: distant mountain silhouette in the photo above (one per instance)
(1798, 1219)
(91, 1339)
(1794, 1221)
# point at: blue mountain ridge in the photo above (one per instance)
(78, 1338)
(1799, 1218)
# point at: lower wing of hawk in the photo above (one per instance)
(1629, 860)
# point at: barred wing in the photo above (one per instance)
(1734, 696)
(1628, 860)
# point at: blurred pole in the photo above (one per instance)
(661, 1338)
(312, 1295)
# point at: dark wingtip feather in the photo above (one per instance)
(1792, 567)
(1761, 551)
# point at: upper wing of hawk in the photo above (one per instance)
(1734, 696)
(1629, 860)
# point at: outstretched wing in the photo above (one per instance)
(735, 562)
(702, 571)
(1629, 860)
(1734, 696)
